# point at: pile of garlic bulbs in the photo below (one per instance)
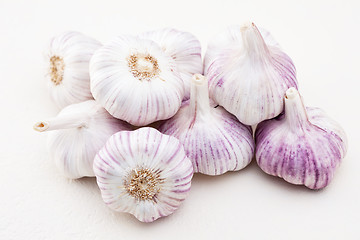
(139, 115)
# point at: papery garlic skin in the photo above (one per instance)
(303, 146)
(136, 81)
(248, 73)
(184, 48)
(67, 71)
(144, 173)
(214, 140)
(77, 134)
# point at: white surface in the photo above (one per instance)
(322, 37)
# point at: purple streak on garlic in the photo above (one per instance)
(184, 48)
(304, 146)
(67, 59)
(77, 134)
(136, 81)
(248, 73)
(144, 173)
(214, 140)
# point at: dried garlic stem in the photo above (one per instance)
(199, 97)
(62, 122)
(254, 42)
(295, 112)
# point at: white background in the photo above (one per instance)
(322, 37)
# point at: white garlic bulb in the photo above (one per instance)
(184, 48)
(68, 56)
(214, 140)
(136, 81)
(248, 73)
(143, 172)
(80, 130)
(303, 146)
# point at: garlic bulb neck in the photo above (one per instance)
(254, 42)
(295, 112)
(62, 122)
(199, 97)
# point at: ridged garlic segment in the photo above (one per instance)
(68, 58)
(144, 173)
(136, 81)
(80, 130)
(248, 73)
(214, 140)
(303, 146)
(184, 48)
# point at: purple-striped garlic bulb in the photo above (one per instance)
(303, 146)
(248, 73)
(77, 134)
(143, 172)
(136, 81)
(214, 140)
(67, 71)
(184, 48)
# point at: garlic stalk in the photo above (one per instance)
(248, 73)
(77, 133)
(304, 146)
(143, 172)
(184, 48)
(136, 81)
(214, 140)
(68, 57)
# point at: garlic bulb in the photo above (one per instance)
(67, 75)
(214, 140)
(136, 81)
(144, 173)
(184, 48)
(303, 146)
(248, 73)
(80, 131)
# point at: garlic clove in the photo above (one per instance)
(303, 146)
(67, 77)
(184, 48)
(136, 81)
(143, 172)
(77, 134)
(248, 73)
(214, 140)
